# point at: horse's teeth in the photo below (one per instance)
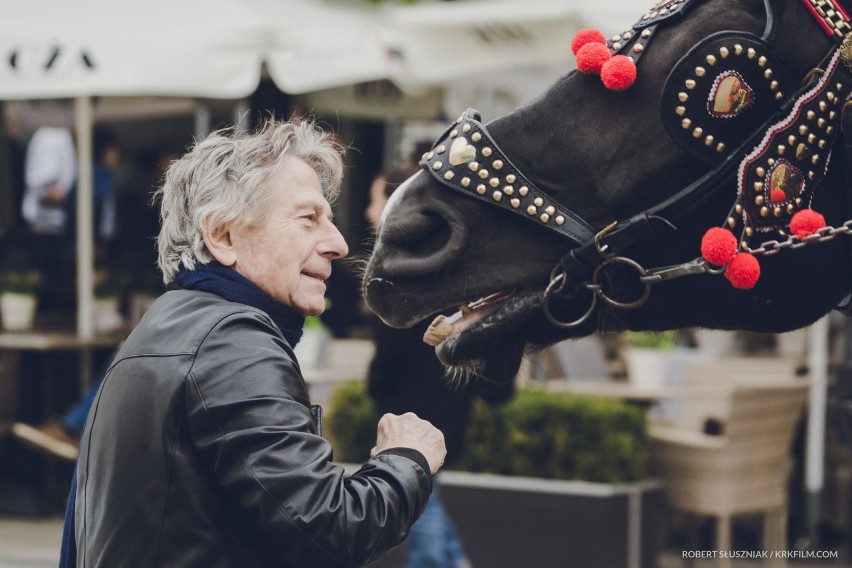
(465, 309)
(438, 331)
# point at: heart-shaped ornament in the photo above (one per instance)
(461, 152)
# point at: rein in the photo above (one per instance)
(788, 150)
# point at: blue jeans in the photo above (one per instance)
(432, 542)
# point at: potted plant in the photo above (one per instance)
(18, 287)
(648, 356)
(548, 479)
(106, 310)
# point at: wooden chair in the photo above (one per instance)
(742, 470)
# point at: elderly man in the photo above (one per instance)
(202, 448)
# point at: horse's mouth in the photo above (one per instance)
(469, 314)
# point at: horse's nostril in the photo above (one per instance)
(419, 244)
(424, 238)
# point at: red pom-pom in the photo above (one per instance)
(592, 57)
(618, 73)
(588, 35)
(743, 272)
(806, 222)
(718, 246)
(777, 196)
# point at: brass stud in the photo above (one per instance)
(523, 190)
(738, 208)
(515, 203)
(494, 182)
(550, 210)
(822, 144)
(820, 122)
(440, 149)
(815, 159)
(764, 211)
(511, 178)
(700, 71)
(799, 201)
(790, 208)
(749, 231)
(686, 123)
(497, 164)
(760, 172)
(771, 162)
(758, 186)
(646, 33)
(538, 201)
(830, 96)
(486, 151)
(437, 165)
(454, 133)
(759, 200)
(832, 115)
(773, 85)
(508, 190)
(690, 83)
(429, 155)
(720, 147)
(781, 149)
(768, 73)
(803, 129)
(638, 48)
(811, 175)
(811, 115)
(791, 140)
(723, 51)
(465, 181)
(709, 140)
(761, 61)
(560, 220)
(483, 173)
(777, 211)
(738, 49)
(480, 189)
(829, 130)
(811, 138)
(473, 166)
(822, 106)
(449, 175)
(466, 128)
(801, 151)
(682, 97)
(698, 132)
(476, 137)
(710, 59)
(615, 38)
(779, 95)
(531, 210)
(681, 110)
(751, 53)
(545, 217)
(496, 196)
(627, 35)
(732, 222)
(616, 46)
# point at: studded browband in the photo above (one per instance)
(467, 159)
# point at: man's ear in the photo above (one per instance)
(219, 243)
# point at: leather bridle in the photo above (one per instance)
(467, 159)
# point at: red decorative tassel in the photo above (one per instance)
(588, 35)
(806, 222)
(592, 57)
(619, 73)
(743, 272)
(718, 246)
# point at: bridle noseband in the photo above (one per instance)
(788, 146)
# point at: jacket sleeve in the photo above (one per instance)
(249, 419)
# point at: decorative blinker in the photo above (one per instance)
(726, 87)
(475, 166)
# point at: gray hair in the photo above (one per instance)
(223, 179)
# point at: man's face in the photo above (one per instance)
(289, 255)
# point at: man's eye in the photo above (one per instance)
(312, 217)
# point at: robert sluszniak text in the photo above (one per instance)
(762, 554)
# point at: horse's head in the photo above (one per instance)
(598, 200)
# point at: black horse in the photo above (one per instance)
(600, 199)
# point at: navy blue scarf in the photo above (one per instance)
(234, 287)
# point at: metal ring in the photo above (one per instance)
(615, 303)
(545, 304)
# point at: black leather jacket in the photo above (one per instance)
(201, 450)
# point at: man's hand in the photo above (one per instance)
(409, 431)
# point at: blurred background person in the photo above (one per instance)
(406, 376)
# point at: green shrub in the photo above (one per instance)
(536, 434)
(351, 423)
